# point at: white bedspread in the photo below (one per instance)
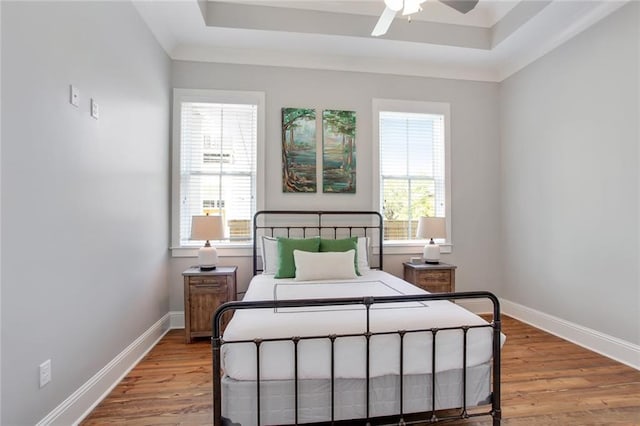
(277, 358)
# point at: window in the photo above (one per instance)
(215, 170)
(413, 164)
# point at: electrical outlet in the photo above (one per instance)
(45, 372)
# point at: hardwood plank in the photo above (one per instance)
(545, 381)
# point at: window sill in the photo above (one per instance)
(246, 249)
(412, 247)
(227, 250)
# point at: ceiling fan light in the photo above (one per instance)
(411, 6)
(394, 5)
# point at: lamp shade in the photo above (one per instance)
(431, 227)
(207, 228)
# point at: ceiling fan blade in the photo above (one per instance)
(462, 6)
(384, 22)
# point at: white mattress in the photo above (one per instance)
(277, 358)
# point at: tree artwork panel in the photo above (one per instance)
(339, 151)
(299, 150)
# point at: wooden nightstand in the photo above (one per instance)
(204, 291)
(439, 278)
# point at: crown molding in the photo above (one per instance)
(273, 58)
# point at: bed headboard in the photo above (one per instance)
(326, 224)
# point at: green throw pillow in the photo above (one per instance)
(345, 244)
(286, 246)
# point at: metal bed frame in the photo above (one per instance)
(400, 418)
(318, 223)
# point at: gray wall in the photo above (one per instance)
(570, 179)
(84, 203)
(474, 147)
(547, 218)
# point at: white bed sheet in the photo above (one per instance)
(277, 358)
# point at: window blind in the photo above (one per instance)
(218, 165)
(412, 170)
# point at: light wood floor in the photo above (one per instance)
(545, 381)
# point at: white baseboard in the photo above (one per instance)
(176, 319)
(77, 406)
(609, 346)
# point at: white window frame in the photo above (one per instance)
(419, 107)
(213, 96)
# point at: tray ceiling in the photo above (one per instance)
(489, 43)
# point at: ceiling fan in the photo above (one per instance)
(412, 6)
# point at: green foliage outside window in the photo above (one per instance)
(405, 200)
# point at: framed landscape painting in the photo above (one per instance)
(338, 151)
(299, 150)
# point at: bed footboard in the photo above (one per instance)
(432, 414)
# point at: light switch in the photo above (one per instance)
(74, 96)
(94, 109)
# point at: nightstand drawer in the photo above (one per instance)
(220, 292)
(208, 281)
(434, 278)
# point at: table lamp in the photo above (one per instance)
(431, 227)
(207, 228)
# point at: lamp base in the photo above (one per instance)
(207, 258)
(431, 253)
(432, 262)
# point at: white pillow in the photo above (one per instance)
(269, 255)
(324, 265)
(363, 254)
